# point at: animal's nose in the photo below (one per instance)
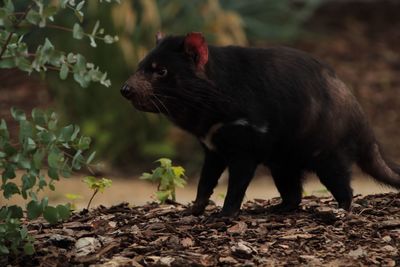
(126, 90)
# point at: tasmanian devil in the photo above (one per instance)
(248, 106)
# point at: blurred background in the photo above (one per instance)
(360, 39)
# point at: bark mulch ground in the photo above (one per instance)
(162, 235)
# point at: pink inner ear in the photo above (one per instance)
(195, 43)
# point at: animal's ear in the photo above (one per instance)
(159, 37)
(196, 47)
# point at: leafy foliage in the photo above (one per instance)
(168, 177)
(12, 235)
(43, 151)
(41, 143)
(18, 20)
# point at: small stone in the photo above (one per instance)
(387, 238)
(357, 253)
(187, 242)
(166, 261)
(112, 224)
(242, 249)
(228, 260)
(389, 248)
(390, 263)
(86, 245)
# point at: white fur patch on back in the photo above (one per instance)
(242, 122)
(258, 128)
(207, 140)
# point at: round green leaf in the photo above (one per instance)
(53, 173)
(63, 211)
(39, 117)
(54, 158)
(77, 31)
(18, 114)
(51, 214)
(10, 189)
(28, 181)
(33, 17)
(15, 211)
(64, 71)
(34, 209)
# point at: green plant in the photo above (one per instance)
(18, 18)
(41, 143)
(97, 185)
(13, 235)
(168, 177)
(41, 154)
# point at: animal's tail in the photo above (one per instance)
(373, 162)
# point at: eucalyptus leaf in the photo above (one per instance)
(77, 31)
(64, 211)
(10, 189)
(51, 214)
(64, 71)
(33, 17)
(34, 209)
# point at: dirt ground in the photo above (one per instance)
(162, 235)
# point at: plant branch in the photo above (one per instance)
(58, 27)
(62, 28)
(3, 49)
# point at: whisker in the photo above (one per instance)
(162, 104)
(155, 105)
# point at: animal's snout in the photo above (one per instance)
(126, 90)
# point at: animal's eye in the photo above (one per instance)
(161, 72)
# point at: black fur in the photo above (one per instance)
(279, 107)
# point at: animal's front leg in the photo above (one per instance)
(212, 169)
(241, 171)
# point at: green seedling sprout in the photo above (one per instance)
(97, 185)
(168, 177)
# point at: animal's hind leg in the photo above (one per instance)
(289, 184)
(335, 174)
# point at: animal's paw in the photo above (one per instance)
(194, 210)
(225, 217)
(283, 208)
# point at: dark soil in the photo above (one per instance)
(316, 235)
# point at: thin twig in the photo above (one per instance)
(62, 28)
(90, 201)
(3, 49)
(58, 27)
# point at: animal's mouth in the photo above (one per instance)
(140, 101)
(145, 103)
(146, 106)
